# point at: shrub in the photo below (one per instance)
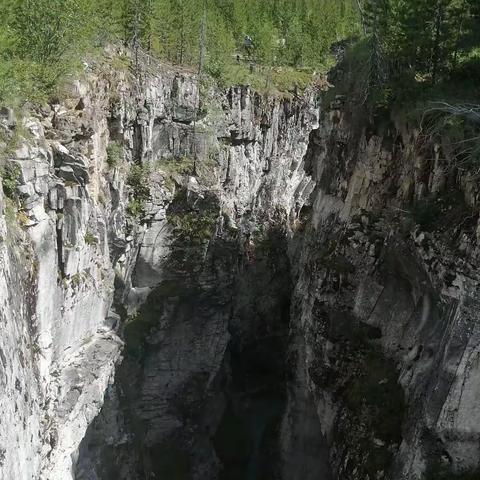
(137, 180)
(10, 179)
(91, 239)
(194, 227)
(115, 154)
(135, 208)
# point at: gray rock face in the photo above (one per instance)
(72, 238)
(59, 349)
(252, 296)
(386, 317)
(188, 308)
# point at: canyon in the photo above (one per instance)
(201, 282)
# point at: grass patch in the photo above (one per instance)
(266, 80)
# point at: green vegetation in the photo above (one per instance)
(115, 154)
(175, 169)
(91, 239)
(36, 45)
(16, 219)
(268, 80)
(10, 179)
(43, 40)
(135, 208)
(420, 43)
(11, 139)
(283, 32)
(193, 226)
(138, 180)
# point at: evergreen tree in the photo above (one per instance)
(44, 29)
(422, 38)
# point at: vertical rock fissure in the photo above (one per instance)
(247, 440)
(202, 387)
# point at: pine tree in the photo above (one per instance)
(375, 19)
(44, 29)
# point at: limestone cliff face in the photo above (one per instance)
(59, 344)
(201, 291)
(385, 302)
(78, 263)
(286, 306)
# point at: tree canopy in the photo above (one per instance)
(428, 38)
(42, 39)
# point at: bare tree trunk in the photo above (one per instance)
(182, 31)
(378, 66)
(439, 19)
(362, 16)
(464, 14)
(201, 60)
(135, 39)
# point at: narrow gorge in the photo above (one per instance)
(208, 283)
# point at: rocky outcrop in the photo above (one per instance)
(58, 222)
(188, 297)
(385, 301)
(103, 207)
